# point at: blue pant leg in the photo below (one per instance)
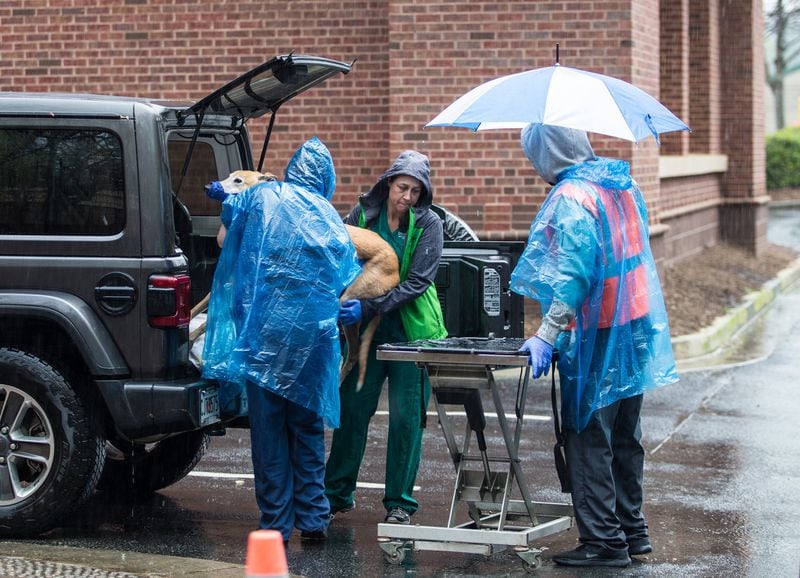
(589, 460)
(269, 441)
(307, 448)
(628, 467)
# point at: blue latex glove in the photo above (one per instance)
(350, 312)
(215, 191)
(540, 353)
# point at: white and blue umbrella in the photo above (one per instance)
(561, 96)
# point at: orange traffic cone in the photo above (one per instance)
(266, 557)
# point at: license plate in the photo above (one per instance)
(209, 406)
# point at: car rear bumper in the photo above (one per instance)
(140, 409)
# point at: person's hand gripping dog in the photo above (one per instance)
(350, 312)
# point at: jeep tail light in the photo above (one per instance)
(168, 300)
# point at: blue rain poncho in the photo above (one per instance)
(275, 296)
(588, 253)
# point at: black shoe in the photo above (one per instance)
(314, 535)
(344, 510)
(397, 515)
(639, 546)
(586, 555)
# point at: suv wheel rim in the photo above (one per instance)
(26, 445)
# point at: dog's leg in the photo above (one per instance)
(358, 350)
(363, 350)
(380, 273)
(353, 348)
(201, 306)
(200, 329)
(196, 333)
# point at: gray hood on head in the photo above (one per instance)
(417, 165)
(411, 163)
(551, 149)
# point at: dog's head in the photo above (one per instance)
(238, 181)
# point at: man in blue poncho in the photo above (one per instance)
(272, 329)
(588, 263)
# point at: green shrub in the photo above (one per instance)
(783, 158)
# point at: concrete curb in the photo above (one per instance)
(71, 561)
(711, 339)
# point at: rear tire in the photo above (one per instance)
(137, 470)
(51, 449)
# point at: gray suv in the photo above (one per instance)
(106, 243)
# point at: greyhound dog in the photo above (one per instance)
(380, 272)
(236, 182)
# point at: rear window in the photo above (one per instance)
(202, 170)
(61, 182)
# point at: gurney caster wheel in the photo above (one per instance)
(393, 552)
(531, 559)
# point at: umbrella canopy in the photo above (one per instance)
(561, 96)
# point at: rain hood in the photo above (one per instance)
(589, 248)
(552, 149)
(411, 163)
(275, 297)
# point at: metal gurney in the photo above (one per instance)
(461, 372)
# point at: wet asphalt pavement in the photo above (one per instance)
(722, 483)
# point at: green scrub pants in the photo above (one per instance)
(404, 446)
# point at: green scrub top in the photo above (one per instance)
(390, 329)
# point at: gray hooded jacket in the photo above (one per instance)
(551, 150)
(425, 261)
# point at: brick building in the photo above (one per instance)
(702, 58)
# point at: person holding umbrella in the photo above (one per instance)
(397, 207)
(588, 263)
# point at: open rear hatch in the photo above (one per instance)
(263, 89)
(267, 86)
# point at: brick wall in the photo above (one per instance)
(182, 50)
(788, 195)
(743, 216)
(644, 73)
(742, 112)
(704, 79)
(691, 208)
(674, 76)
(413, 59)
(442, 50)
(682, 193)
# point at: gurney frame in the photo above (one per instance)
(496, 522)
